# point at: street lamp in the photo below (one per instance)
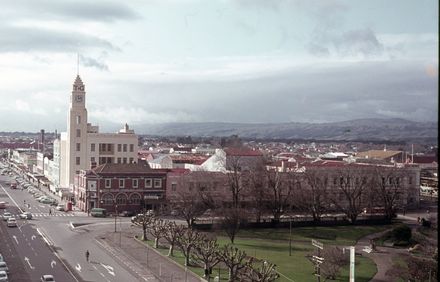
(116, 214)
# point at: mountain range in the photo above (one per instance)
(360, 130)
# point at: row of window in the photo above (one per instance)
(121, 199)
(108, 160)
(148, 183)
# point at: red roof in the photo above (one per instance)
(243, 152)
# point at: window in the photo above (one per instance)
(121, 199)
(124, 160)
(148, 183)
(119, 147)
(157, 183)
(124, 148)
(78, 133)
(92, 147)
(131, 147)
(173, 187)
(78, 160)
(78, 119)
(107, 199)
(135, 199)
(92, 159)
(119, 160)
(131, 160)
(134, 183)
(410, 180)
(103, 147)
(108, 183)
(78, 147)
(121, 183)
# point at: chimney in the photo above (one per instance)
(92, 165)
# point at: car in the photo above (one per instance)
(126, 213)
(47, 278)
(47, 200)
(26, 215)
(12, 222)
(2, 205)
(6, 215)
(60, 207)
(3, 276)
(42, 197)
(4, 267)
(1, 258)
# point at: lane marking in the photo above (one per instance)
(15, 238)
(52, 263)
(27, 260)
(12, 199)
(78, 267)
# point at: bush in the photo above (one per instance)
(401, 233)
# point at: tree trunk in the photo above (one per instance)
(170, 250)
(144, 235)
(156, 243)
(187, 260)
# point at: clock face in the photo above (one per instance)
(81, 88)
(78, 98)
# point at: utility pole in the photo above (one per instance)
(290, 238)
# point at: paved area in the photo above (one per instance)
(383, 256)
(143, 260)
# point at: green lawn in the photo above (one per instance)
(273, 245)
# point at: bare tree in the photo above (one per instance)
(144, 220)
(312, 194)
(280, 191)
(351, 185)
(234, 180)
(231, 221)
(256, 190)
(234, 259)
(207, 251)
(171, 234)
(265, 272)
(189, 205)
(387, 189)
(158, 229)
(334, 260)
(189, 239)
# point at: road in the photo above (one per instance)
(48, 244)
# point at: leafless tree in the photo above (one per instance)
(334, 260)
(231, 221)
(171, 234)
(265, 272)
(189, 205)
(312, 194)
(189, 239)
(280, 186)
(207, 252)
(235, 184)
(234, 259)
(350, 191)
(256, 190)
(387, 189)
(157, 230)
(144, 220)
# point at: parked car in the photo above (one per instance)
(1, 258)
(26, 215)
(3, 276)
(12, 222)
(97, 212)
(60, 207)
(6, 216)
(4, 267)
(2, 205)
(126, 213)
(46, 200)
(47, 278)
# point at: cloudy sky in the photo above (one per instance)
(218, 60)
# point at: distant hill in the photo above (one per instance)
(360, 129)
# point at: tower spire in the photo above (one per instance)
(77, 63)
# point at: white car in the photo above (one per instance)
(4, 267)
(12, 222)
(3, 276)
(6, 215)
(47, 278)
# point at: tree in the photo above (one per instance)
(207, 251)
(171, 235)
(189, 206)
(312, 196)
(350, 185)
(266, 272)
(334, 260)
(158, 229)
(234, 259)
(256, 190)
(418, 269)
(234, 180)
(280, 191)
(387, 189)
(187, 241)
(231, 221)
(144, 220)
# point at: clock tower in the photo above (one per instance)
(76, 131)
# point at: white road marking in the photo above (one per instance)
(109, 269)
(12, 199)
(33, 237)
(27, 260)
(53, 263)
(78, 267)
(15, 238)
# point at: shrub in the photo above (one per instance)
(401, 233)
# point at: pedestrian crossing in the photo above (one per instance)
(17, 216)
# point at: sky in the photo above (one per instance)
(247, 61)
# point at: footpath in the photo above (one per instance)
(383, 256)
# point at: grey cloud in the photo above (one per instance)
(21, 39)
(91, 62)
(105, 11)
(362, 41)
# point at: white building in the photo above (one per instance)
(82, 144)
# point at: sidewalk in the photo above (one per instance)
(139, 256)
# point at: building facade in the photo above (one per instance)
(83, 144)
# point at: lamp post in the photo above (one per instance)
(116, 214)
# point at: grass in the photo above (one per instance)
(273, 245)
